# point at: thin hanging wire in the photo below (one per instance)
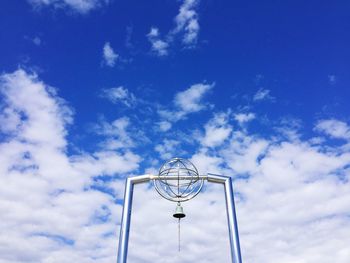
(178, 192)
(179, 241)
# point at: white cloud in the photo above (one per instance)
(186, 26)
(80, 6)
(290, 128)
(159, 47)
(187, 22)
(262, 94)
(334, 128)
(109, 56)
(164, 126)
(292, 197)
(168, 148)
(242, 153)
(39, 107)
(242, 118)
(120, 134)
(292, 204)
(119, 95)
(190, 100)
(281, 179)
(206, 162)
(217, 130)
(117, 134)
(186, 102)
(50, 209)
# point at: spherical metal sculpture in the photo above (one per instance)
(178, 181)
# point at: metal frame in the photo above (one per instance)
(211, 178)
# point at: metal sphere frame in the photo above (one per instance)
(182, 172)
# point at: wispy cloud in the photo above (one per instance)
(164, 126)
(243, 118)
(186, 26)
(168, 148)
(119, 95)
(187, 22)
(159, 47)
(79, 6)
(116, 133)
(190, 100)
(186, 102)
(262, 94)
(109, 55)
(37, 41)
(332, 79)
(289, 128)
(334, 128)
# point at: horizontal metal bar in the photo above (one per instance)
(213, 178)
(219, 179)
(140, 178)
(181, 177)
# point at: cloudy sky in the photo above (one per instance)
(94, 91)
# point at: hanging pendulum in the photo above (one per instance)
(179, 213)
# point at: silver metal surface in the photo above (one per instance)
(184, 177)
(231, 215)
(212, 178)
(178, 180)
(126, 215)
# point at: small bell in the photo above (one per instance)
(179, 212)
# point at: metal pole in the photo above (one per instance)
(126, 215)
(125, 224)
(232, 222)
(231, 215)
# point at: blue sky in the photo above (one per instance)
(93, 91)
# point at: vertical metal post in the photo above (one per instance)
(231, 215)
(232, 222)
(126, 215)
(125, 224)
